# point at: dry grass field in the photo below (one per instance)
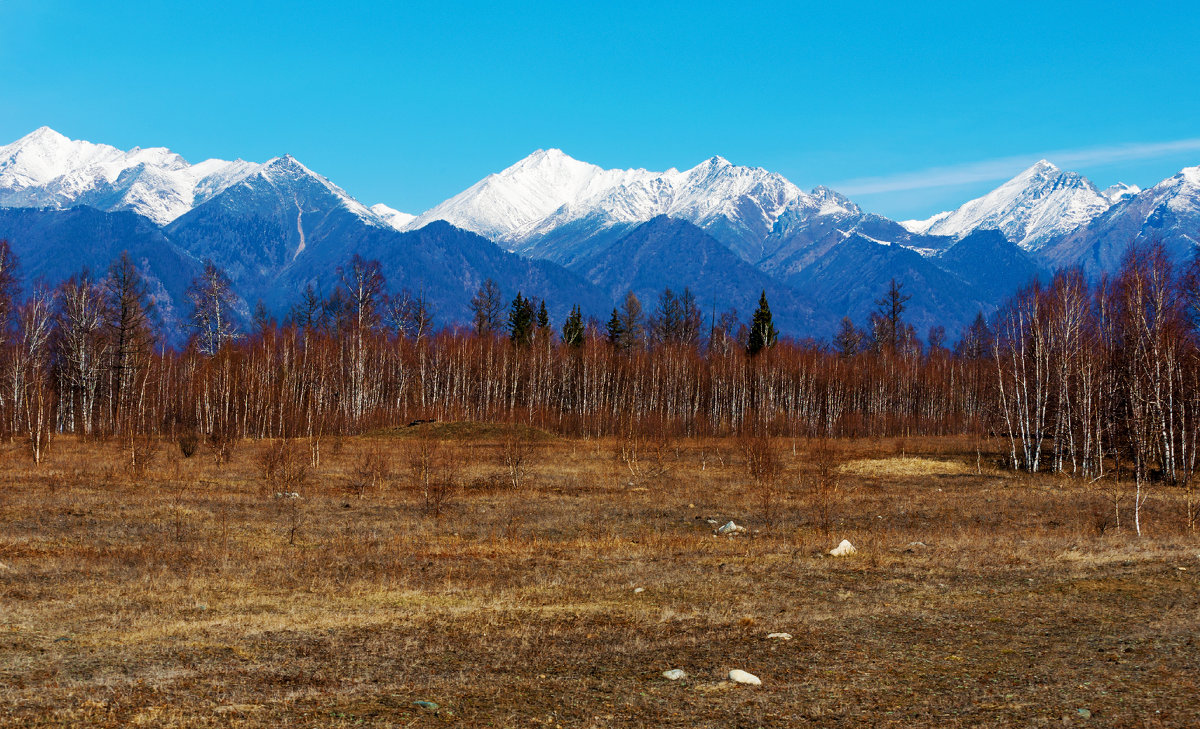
(559, 578)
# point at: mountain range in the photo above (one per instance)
(569, 232)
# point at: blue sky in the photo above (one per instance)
(905, 106)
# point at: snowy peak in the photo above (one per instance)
(832, 202)
(391, 216)
(547, 193)
(293, 182)
(1039, 204)
(1177, 197)
(1120, 192)
(1167, 213)
(505, 202)
(47, 169)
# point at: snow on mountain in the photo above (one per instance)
(501, 204)
(1041, 203)
(392, 217)
(549, 200)
(746, 201)
(287, 173)
(1120, 192)
(1168, 213)
(46, 169)
(270, 219)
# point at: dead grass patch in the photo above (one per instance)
(903, 467)
(176, 598)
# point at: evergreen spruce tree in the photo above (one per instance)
(762, 330)
(520, 320)
(615, 331)
(572, 331)
(543, 316)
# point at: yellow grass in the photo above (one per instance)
(175, 598)
(903, 467)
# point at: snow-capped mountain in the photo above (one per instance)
(501, 204)
(1120, 192)
(1168, 213)
(735, 204)
(584, 234)
(392, 217)
(46, 169)
(270, 218)
(552, 206)
(1036, 206)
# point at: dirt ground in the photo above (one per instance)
(558, 579)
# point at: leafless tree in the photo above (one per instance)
(487, 309)
(212, 300)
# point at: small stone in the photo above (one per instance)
(731, 528)
(915, 547)
(779, 636)
(737, 675)
(691, 506)
(638, 590)
(674, 674)
(845, 549)
(429, 705)
(1085, 713)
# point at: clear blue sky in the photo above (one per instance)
(408, 103)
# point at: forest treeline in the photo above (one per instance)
(1073, 376)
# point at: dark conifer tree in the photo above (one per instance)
(615, 332)
(572, 331)
(763, 334)
(521, 320)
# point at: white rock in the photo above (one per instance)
(737, 675)
(638, 590)
(731, 528)
(674, 674)
(845, 549)
(779, 636)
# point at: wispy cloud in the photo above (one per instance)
(1005, 167)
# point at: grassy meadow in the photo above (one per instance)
(515, 578)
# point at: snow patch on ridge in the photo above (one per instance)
(47, 169)
(1030, 209)
(549, 190)
(391, 216)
